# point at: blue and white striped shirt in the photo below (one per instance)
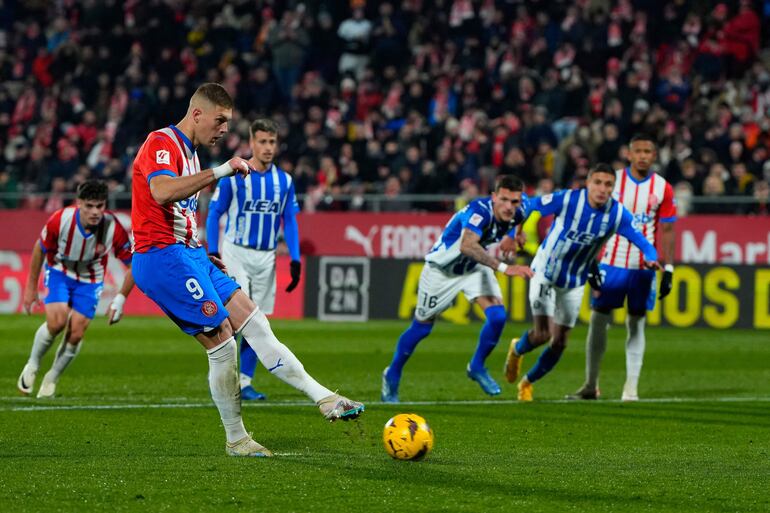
(578, 233)
(255, 205)
(477, 216)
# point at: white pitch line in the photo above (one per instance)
(152, 406)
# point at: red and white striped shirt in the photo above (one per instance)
(650, 201)
(165, 152)
(79, 254)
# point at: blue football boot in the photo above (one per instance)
(249, 394)
(389, 391)
(485, 381)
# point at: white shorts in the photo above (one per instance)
(254, 271)
(437, 289)
(557, 302)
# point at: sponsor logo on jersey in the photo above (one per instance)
(163, 157)
(209, 308)
(189, 203)
(641, 219)
(260, 206)
(578, 237)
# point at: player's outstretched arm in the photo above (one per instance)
(627, 230)
(30, 290)
(167, 189)
(116, 307)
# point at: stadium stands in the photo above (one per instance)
(395, 98)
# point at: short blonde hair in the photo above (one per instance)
(213, 93)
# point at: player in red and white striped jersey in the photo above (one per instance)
(75, 245)
(173, 270)
(621, 274)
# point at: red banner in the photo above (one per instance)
(14, 267)
(700, 239)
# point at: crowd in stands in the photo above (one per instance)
(394, 97)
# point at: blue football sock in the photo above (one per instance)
(248, 359)
(405, 347)
(547, 361)
(523, 346)
(489, 336)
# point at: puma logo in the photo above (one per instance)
(353, 234)
(278, 364)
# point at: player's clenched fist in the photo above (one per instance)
(116, 308)
(232, 166)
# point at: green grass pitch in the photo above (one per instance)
(134, 429)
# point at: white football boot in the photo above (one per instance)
(246, 447)
(26, 381)
(337, 407)
(630, 393)
(47, 388)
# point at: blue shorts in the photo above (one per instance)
(81, 296)
(186, 285)
(636, 284)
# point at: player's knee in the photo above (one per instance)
(224, 331)
(559, 342)
(55, 325)
(496, 316)
(539, 336)
(75, 333)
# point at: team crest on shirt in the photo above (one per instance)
(209, 308)
(100, 249)
(163, 157)
(654, 201)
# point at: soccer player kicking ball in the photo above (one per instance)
(75, 245)
(584, 220)
(172, 268)
(255, 206)
(451, 267)
(650, 199)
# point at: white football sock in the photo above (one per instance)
(42, 342)
(278, 359)
(634, 349)
(245, 380)
(64, 355)
(596, 344)
(223, 383)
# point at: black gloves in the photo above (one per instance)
(296, 271)
(666, 283)
(595, 278)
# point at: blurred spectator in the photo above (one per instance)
(431, 94)
(355, 33)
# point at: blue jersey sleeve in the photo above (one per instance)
(475, 218)
(220, 202)
(547, 204)
(291, 205)
(627, 230)
(291, 232)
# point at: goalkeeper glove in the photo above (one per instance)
(666, 283)
(296, 271)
